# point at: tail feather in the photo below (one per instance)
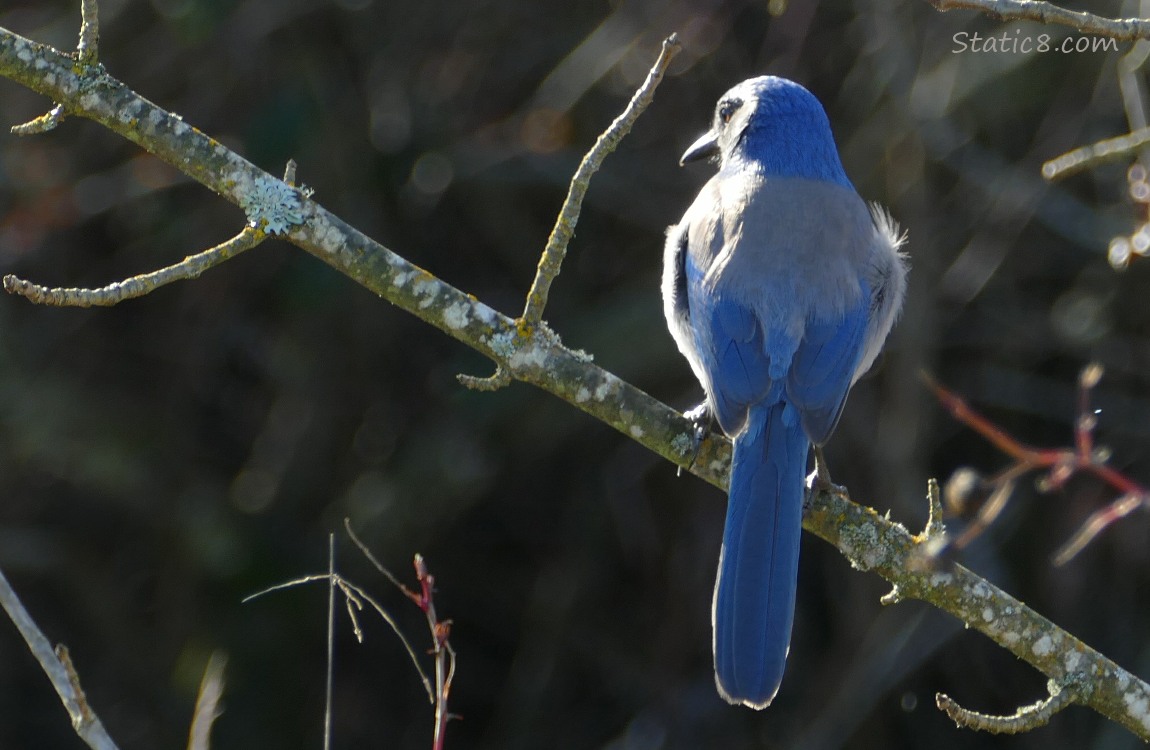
(754, 600)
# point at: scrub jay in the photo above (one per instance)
(779, 287)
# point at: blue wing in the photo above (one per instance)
(823, 369)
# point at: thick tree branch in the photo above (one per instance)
(536, 356)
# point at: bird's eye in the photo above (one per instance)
(727, 109)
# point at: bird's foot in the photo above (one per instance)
(820, 481)
(701, 419)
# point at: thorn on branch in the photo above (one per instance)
(136, 286)
(1024, 719)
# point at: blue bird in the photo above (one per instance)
(779, 286)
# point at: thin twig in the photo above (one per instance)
(498, 379)
(371, 558)
(208, 702)
(88, 49)
(1026, 718)
(327, 705)
(136, 286)
(58, 668)
(1122, 29)
(379, 610)
(551, 261)
(1098, 522)
(347, 586)
(1086, 157)
(41, 124)
(564, 229)
(87, 53)
(441, 648)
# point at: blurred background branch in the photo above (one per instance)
(1125, 29)
(205, 430)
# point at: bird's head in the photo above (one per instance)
(775, 125)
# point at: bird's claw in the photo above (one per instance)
(819, 480)
(701, 420)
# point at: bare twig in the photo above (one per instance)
(555, 251)
(327, 709)
(440, 631)
(1087, 157)
(441, 648)
(208, 702)
(356, 596)
(1122, 29)
(1098, 521)
(371, 558)
(41, 124)
(564, 229)
(498, 379)
(58, 666)
(136, 286)
(87, 53)
(1026, 718)
(88, 49)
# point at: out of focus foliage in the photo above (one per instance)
(165, 458)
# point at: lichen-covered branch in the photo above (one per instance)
(536, 357)
(41, 124)
(88, 48)
(869, 540)
(551, 260)
(58, 666)
(1026, 718)
(136, 286)
(1122, 29)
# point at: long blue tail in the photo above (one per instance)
(754, 600)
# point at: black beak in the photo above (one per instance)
(706, 146)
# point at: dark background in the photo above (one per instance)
(163, 459)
